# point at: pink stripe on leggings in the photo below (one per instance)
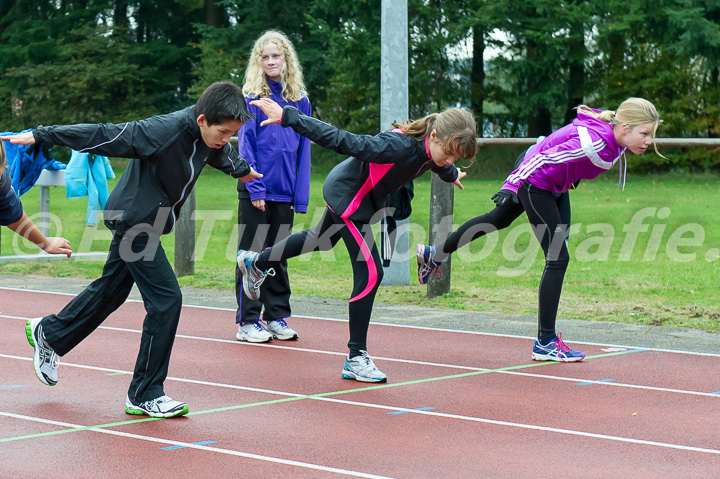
(372, 271)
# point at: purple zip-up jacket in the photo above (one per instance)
(578, 151)
(280, 154)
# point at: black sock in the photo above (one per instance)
(545, 340)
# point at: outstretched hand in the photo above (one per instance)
(272, 110)
(461, 175)
(26, 138)
(505, 197)
(251, 176)
(57, 245)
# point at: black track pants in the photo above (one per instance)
(259, 230)
(140, 261)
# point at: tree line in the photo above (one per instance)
(520, 65)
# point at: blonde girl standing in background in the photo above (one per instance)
(267, 205)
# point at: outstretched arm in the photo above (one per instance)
(26, 138)
(372, 149)
(53, 245)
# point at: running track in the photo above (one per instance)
(458, 405)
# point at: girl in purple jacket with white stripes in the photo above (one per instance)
(590, 145)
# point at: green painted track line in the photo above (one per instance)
(311, 396)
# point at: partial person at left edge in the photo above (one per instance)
(167, 153)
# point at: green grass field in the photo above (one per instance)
(648, 255)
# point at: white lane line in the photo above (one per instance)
(171, 442)
(535, 427)
(571, 432)
(404, 361)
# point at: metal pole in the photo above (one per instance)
(394, 105)
(185, 238)
(442, 195)
(44, 222)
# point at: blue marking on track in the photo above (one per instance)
(594, 382)
(8, 386)
(201, 443)
(426, 408)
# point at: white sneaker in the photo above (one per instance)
(362, 368)
(280, 330)
(45, 361)
(159, 407)
(252, 277)
(253, 332)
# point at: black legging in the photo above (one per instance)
(367, 269)
(549, 214)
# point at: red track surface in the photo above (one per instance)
(282, 410)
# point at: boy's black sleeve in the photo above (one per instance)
(228, 161)
(127, 140)
(374, 149)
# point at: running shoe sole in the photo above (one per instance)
(138, 411)
(247, 339)
(547, 357)
(288, 337)
(351, 375)
(245, 283)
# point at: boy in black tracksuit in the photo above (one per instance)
(167, 154)
(355, 192)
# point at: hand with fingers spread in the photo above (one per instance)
(271, 109)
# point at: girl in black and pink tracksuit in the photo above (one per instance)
(355, 191)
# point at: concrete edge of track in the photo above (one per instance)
(572, 329)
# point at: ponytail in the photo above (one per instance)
(418, 128)
(606, 115)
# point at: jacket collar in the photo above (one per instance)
(191, 122)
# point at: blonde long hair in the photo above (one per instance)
(455, 129)
(256, 84)
(632, 112)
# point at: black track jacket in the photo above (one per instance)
(167, 154)
(379, 165)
